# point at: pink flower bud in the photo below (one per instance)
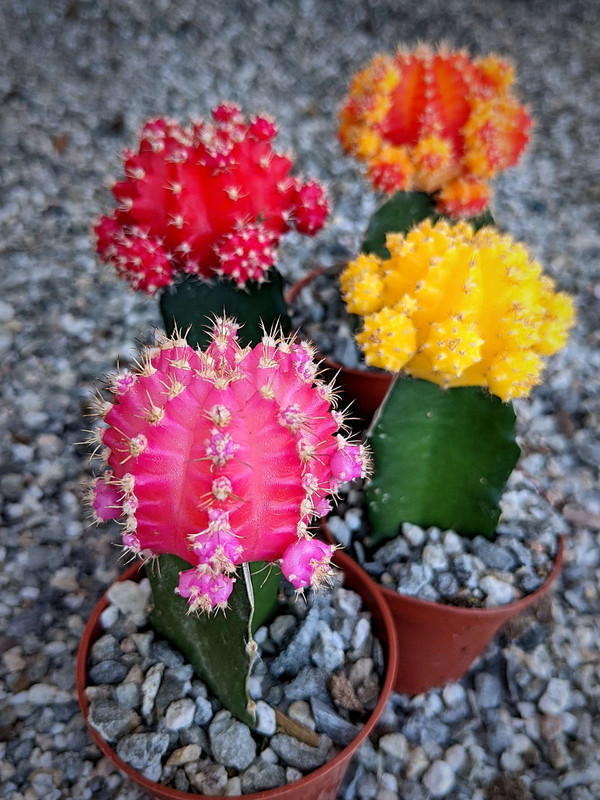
(307, 562)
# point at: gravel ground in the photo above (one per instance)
(77, 79)
(317, 662)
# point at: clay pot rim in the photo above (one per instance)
(488, 613)
(302, 787)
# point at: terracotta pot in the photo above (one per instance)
(323, 783)
(365, 387)
(437, 643)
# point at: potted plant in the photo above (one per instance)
(463, 319)
(200, 214)
(433, 127)
(216, 460)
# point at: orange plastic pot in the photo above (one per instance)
(437, 643)
(365, 387)
(323, 783)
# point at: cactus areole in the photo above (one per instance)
(211, 198)
(435, 121)
(222, 457)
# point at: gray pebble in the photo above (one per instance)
(339, 730)
(204, 711)
(180, 714)
(128, 695)
(106, 648)
(139, 750)
(556, 698)
(150, 688)
(493, 554)
(262, 775)
(446, 584)
(395, 746)
(340, 530)
(490, 691)
(328, 650)
(298, 754)
(107, 672)
(310, 682)
(297, 654)
(439, 779)
(265, 719)
(110, 720)
(231, 741)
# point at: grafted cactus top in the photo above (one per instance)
(458, 308)
(435, 121)
(211, 198)
(224, 456)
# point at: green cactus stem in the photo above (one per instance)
(441, 457)
(219, 646)
(191, 302)
(400, 213)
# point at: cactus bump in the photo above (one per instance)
(435, 121)
(212, 198)
(222, 457)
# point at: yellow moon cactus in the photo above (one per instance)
(458, 308)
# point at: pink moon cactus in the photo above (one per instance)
(223, 457)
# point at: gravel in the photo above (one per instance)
(186, 733)
(76, 81)
(443, 567)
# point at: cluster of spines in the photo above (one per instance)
(437, 122)
(224, 456)
(212, 198)
(458, 308)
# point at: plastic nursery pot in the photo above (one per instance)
(366, 387)
(437, 643)
(323, 783)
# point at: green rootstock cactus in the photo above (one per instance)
(219, 653)
(184, 304)
(445, 465)
(469, 316)
(222, 457)
(210, 201)
(402, 212)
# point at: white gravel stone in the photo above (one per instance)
(456, 757)
(180, 714)
(265, 719)
(394, 745)
(231, 741)
(556, 698)
(413, 534)
(498, 592)
(150, 687)
(131, 598)
(439, 779)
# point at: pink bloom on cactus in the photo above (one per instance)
(106, 500)
(205, 591)
(307, 562)
(207, 199)
(131, 542)
(225, 456)
(348, 463)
